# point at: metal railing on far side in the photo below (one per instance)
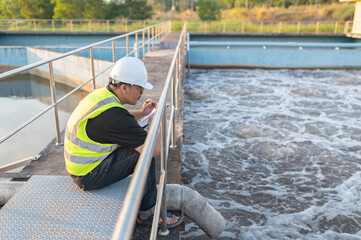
(275, 27)
(128, 214)
(75, 25)
(154, 34)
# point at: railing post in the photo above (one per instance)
(152, 37)
(189, 57)
(53, 25)
(143, 45)
(345, 28)
(107, 25)
(164, 231)
(136, 46)
(163, 169)
(261, 27)
(178, 78)
(127, 44)
(162, 31)
(172, 141)
(298, 27)
(53, 97)
(113, 50)
(34, 25)
(336, 26)
(156, 32)
(280, 27)
(92, 66)
(317, 27)
(148, 34)
(126, 25)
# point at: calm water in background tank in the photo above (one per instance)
(22, 97)
(277, 152)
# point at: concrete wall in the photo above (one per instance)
(72, 70)
(274, 57)
(15, 56)
(75, 39)
(102, 53)
(76, 69)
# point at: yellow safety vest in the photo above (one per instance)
(81, 153)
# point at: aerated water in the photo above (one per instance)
(277, 152)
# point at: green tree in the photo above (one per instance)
(10, 9)
(227, 3)
(94, 9)
(38, 9)
(67, 9)
(113, 9)
(79, 9)
(129, 9)
(137, 9)
(209, 10)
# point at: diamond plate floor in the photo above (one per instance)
(52, 207)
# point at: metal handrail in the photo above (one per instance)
(157, 31)
(258, 26)
(87, 25)
(128, 214)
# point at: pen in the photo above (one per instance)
(140, 100)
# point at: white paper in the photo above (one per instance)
(143, 122)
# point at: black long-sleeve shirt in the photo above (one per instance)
(116, 125)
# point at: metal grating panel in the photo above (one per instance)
(52, 207)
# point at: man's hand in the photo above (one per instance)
(148, 107)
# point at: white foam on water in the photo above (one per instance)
(277, 152)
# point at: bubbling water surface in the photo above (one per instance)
(277, 152)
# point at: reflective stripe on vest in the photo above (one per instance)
(90, 146)
(83, 160)
(81, 153)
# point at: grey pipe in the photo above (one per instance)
(196, 208)
(7, 190)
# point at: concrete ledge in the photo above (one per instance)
(267, 34)
(59, 32)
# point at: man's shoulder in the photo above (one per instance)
(115, 112)
(112, 117)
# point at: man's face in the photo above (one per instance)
(134, 93)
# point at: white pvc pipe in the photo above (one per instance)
(196, 208)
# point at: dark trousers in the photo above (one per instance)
(117, 166)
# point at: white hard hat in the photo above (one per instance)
(130, 70)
